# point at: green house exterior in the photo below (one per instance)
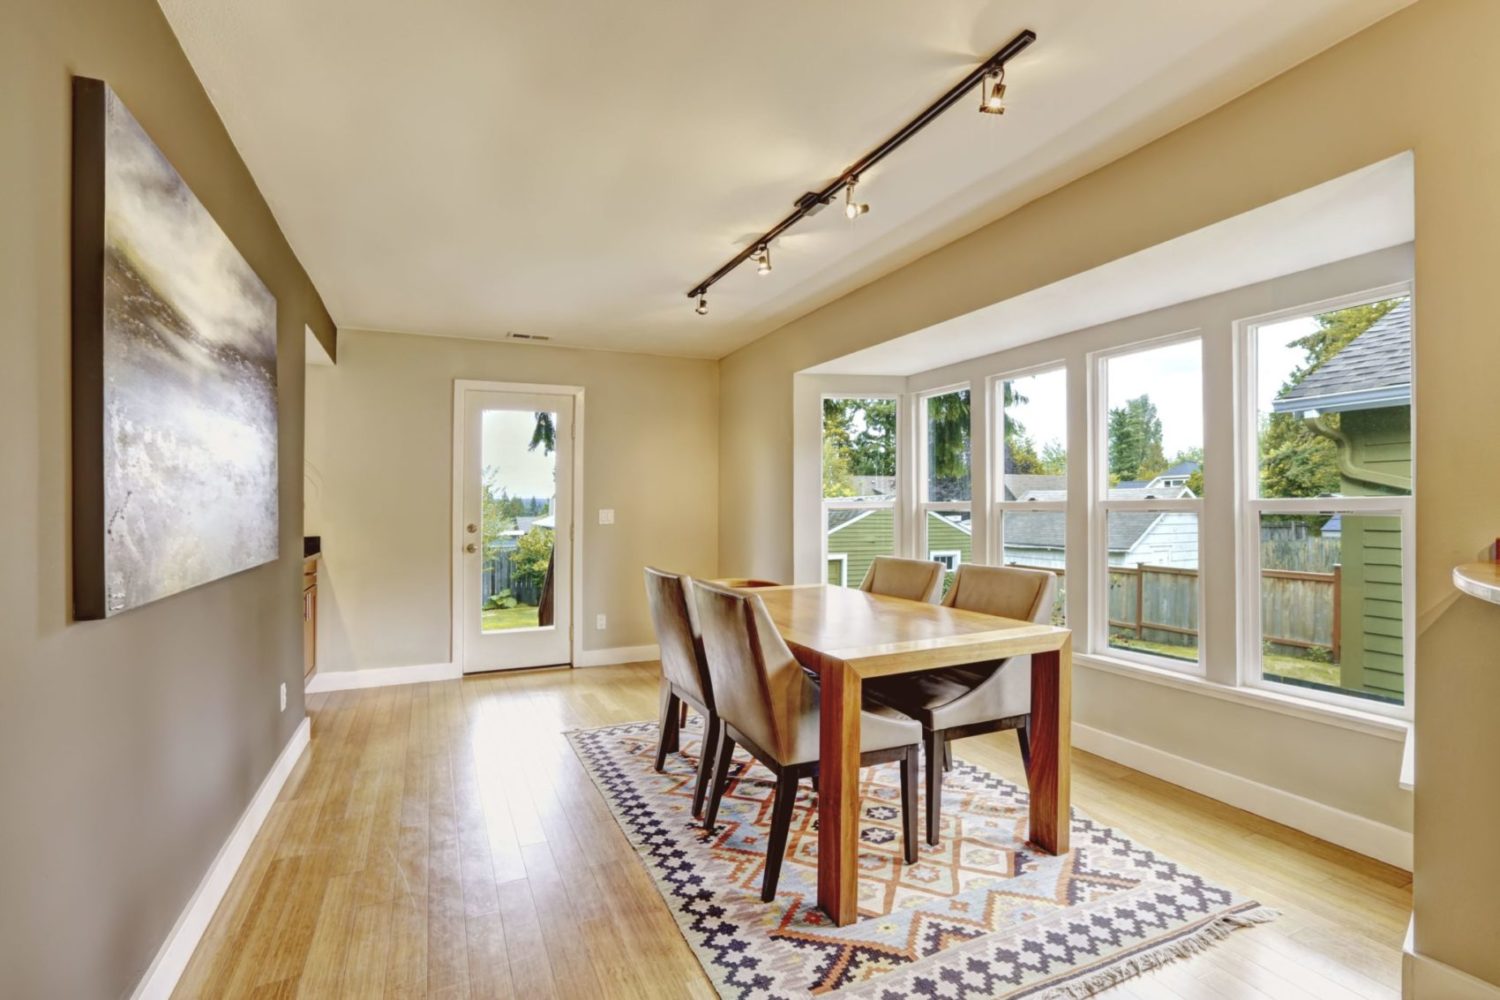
(856, 537)
(1361, 400)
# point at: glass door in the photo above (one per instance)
(515, 539)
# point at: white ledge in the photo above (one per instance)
(1480, 579)
(1369, 723)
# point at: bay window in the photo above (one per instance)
(1148, 503)
(1031, 505)
(1327, 500)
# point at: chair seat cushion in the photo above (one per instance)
(880, 728)
(959, 696)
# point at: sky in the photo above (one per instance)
(523, 473)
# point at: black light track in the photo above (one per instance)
(814, 201)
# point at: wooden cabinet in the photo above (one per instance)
(309, 615)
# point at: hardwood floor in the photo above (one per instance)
(442, 840)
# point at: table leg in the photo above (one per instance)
(1050, 773)
(838, 793)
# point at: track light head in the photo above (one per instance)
(992, 99)
(763, 259)
(702, 308)
(853, 209)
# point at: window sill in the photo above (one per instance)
(1368, 723)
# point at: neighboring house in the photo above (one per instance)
(1152, 538)
(856, 537)
(1367, 387)
(1177, 475)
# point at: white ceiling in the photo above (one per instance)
(1361, 212)
(470, 167)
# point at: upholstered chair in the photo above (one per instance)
(913, 579)
(684, 674)
(980, 698)
(770, 707)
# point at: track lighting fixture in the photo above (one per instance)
(853, 209)
(988, 76)
(992, 99)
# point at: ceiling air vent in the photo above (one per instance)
(531, 337)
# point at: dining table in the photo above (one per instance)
(848, 636)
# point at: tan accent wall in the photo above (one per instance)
(381, 439)
(130, 747)
(1424, 79)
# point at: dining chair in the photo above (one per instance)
(770, 707)
(979, 698)
(684, 674)
(913, 579)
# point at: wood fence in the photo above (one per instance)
(1299, 609)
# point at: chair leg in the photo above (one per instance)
(705, 762)
(666, 739)
(781, 824)
(947, 755)
(909, 781)
(682, 715)
(934, 748)
(1023, 736)
(723, 754)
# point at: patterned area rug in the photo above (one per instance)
(982, 915)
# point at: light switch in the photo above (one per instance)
(606, 515)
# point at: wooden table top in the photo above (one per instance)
(878, 635)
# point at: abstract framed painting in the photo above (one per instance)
(175, 479)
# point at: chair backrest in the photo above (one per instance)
(760, 688)
(1005, 591)
(913, 579)
(675, 616)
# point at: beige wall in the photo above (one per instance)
(1424, 80)
(131, 746)
(380, 431)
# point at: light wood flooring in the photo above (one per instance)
(442, 840)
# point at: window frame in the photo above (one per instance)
(1249, 506)
(995, 391)
(938, 555)
(895, 504)
(842, 559)
(1101, 506)
(923, 508)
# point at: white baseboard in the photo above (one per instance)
(615, 654)
(1368, 837)
(1424, 978)
(344, 680)
(166, 968)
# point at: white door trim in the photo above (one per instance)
(456, 580)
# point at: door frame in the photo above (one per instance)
(576, 523)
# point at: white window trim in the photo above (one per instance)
(842, 558)
(937, 555)
(1100, 507)
(994, 390)
(1252, 506)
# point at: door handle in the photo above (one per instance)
(471, 547)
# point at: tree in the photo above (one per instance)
(545, 434)
(1020, 452)
(1295, 461)
(874, 445)
(497, 510)
(1053, 460)
(838, 481)
(531, 560)
(948, 445)
(1135, 450)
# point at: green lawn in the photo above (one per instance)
(1274, 665)
(499, 619)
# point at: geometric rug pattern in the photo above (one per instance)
(982, 915)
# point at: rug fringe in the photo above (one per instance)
(1185, 947)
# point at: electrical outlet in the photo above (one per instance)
(600, 622)
(283, 696)
(606, 515)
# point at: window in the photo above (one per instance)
(946, 495)
(1328, 501)
(859, 485)
(950, 559)
(1032, 456)
(1148, 490)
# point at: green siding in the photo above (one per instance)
(873, 535)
